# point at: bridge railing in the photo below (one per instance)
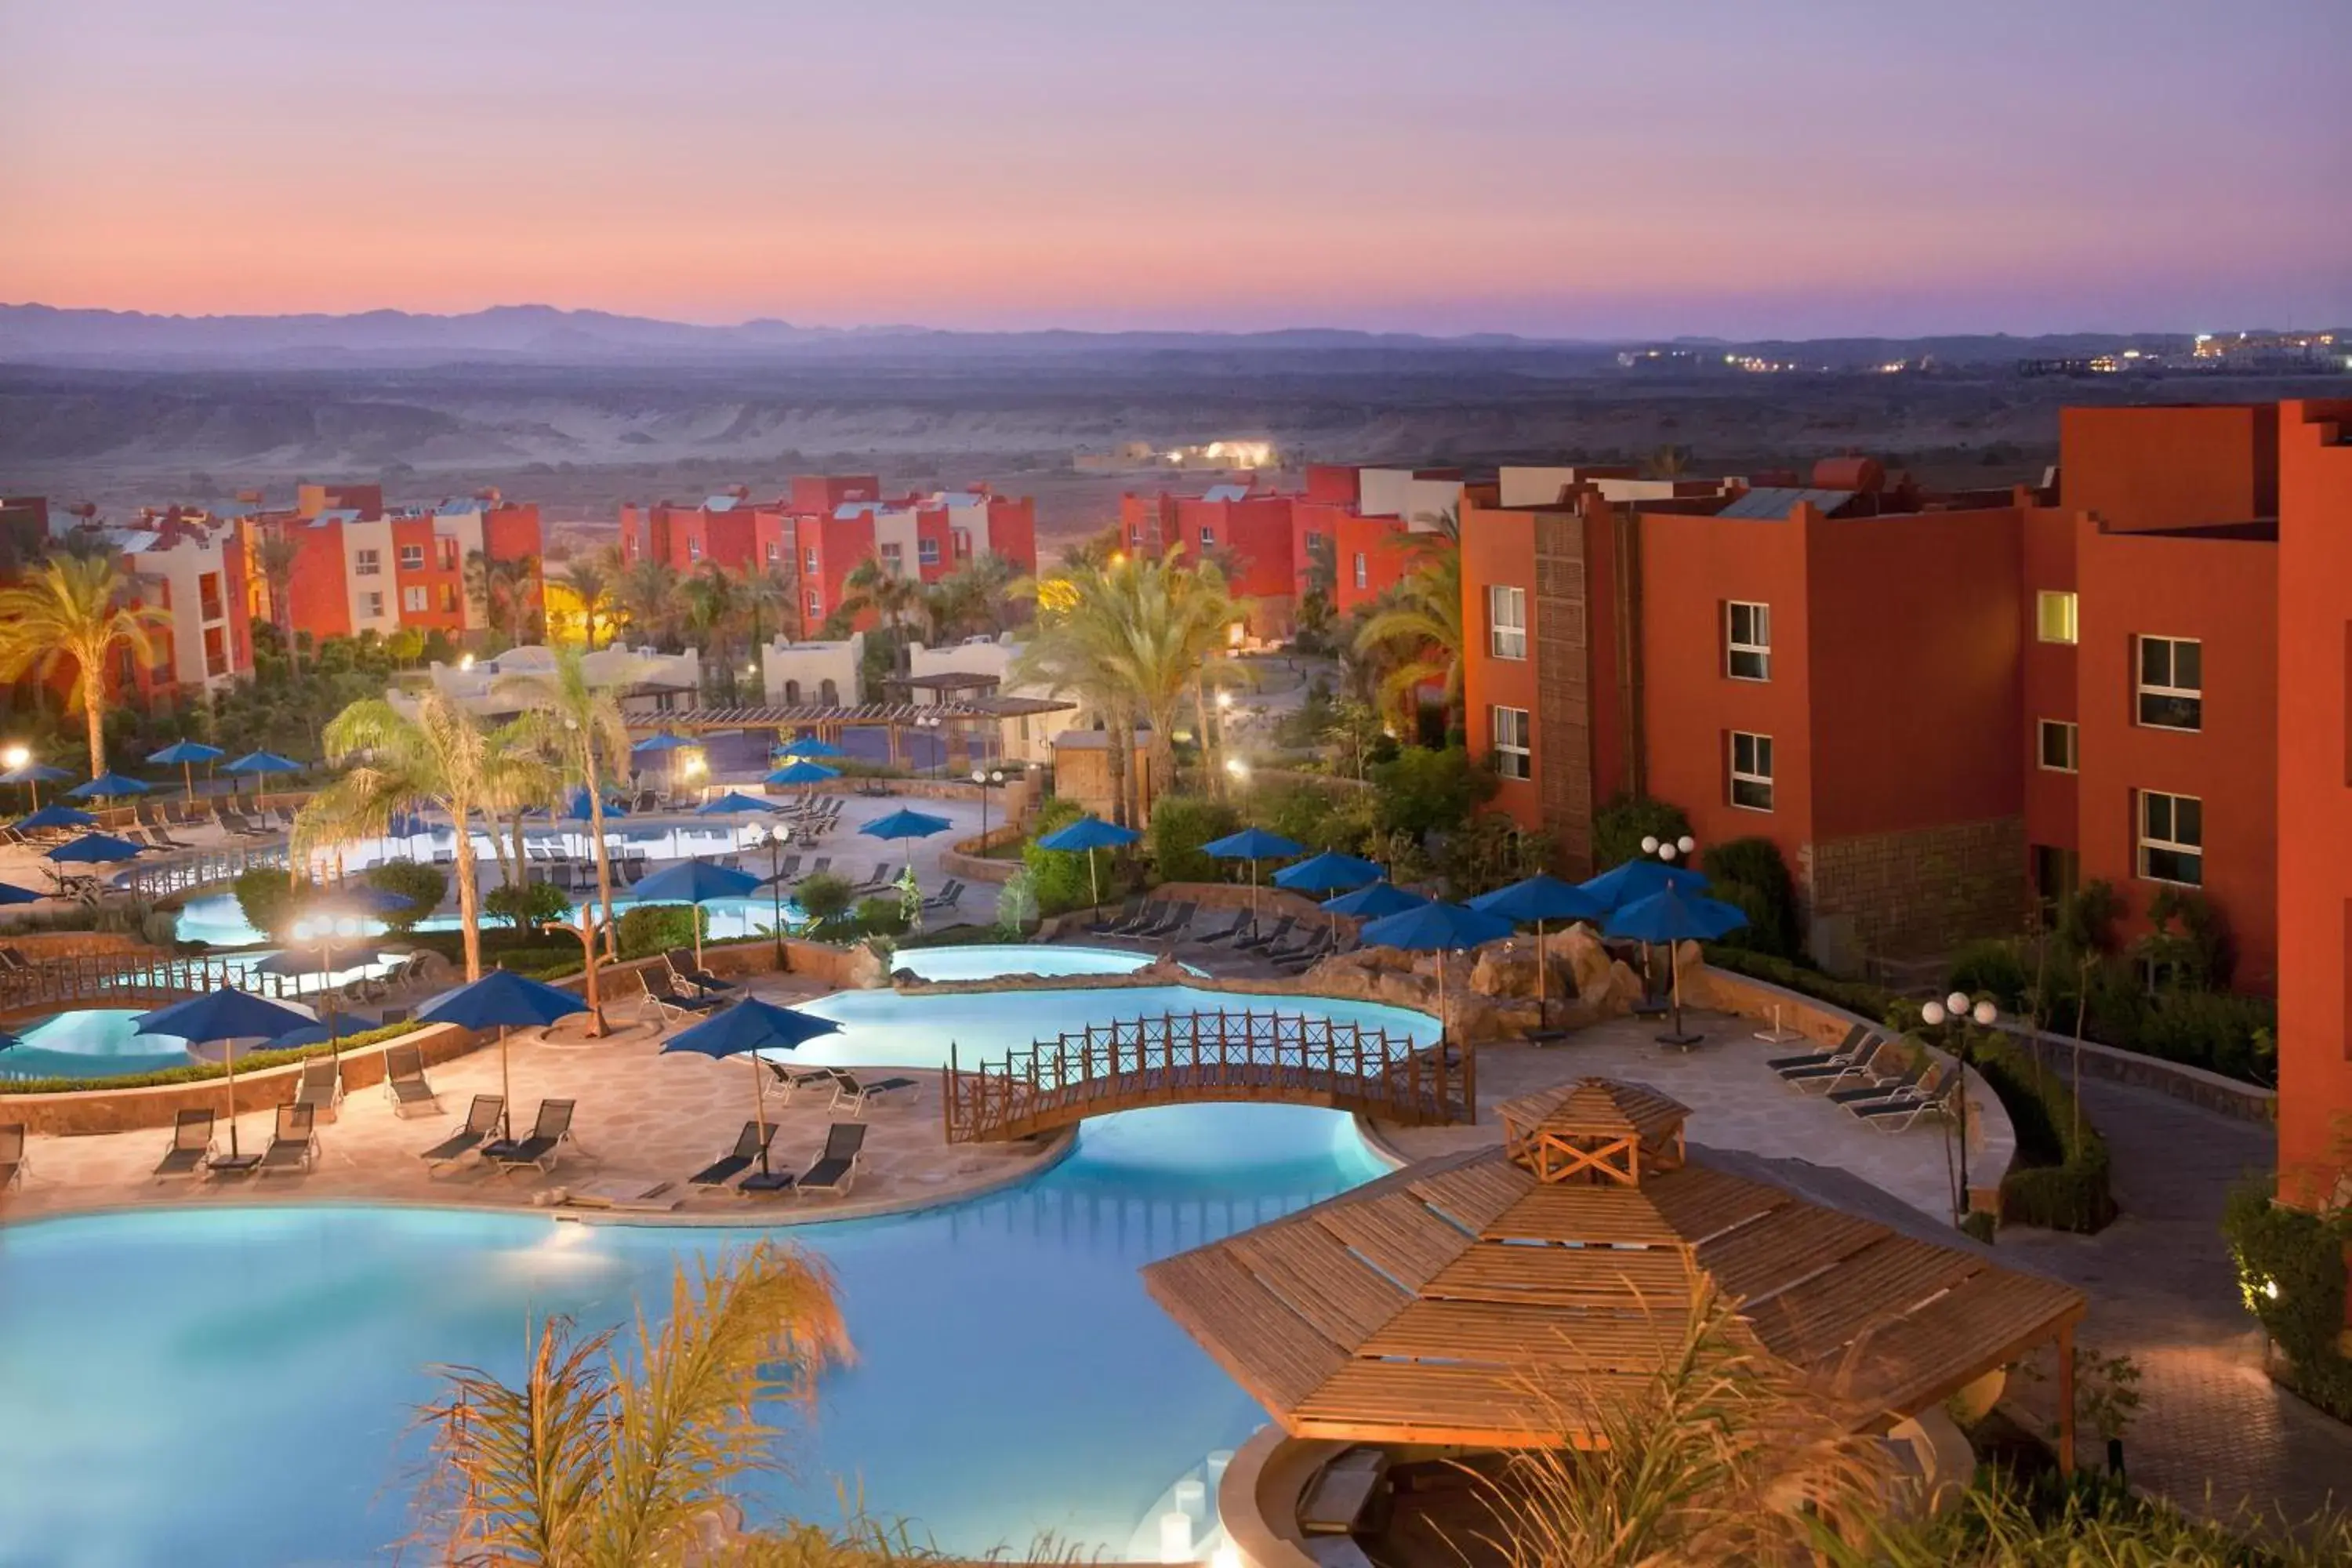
(105, 979)
(187, 870)
(1178, 1058)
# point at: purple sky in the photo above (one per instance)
(1550, 166)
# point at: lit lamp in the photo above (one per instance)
(987, 779)
(1667, 849)
(1953, 1015)
(1239, 772)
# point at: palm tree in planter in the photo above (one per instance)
(1075, 649)
(74, 613)
(580, 723)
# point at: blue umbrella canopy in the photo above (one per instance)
(1328, 872)
(34, 772)
(1375, 902)
(342, 1027)
(407, 824)
(357, 899)
(578, 811)
(54, 816)
(809, 746)
(902, 823)
(1435, 928)
(750, 1025)
(734, 803)
(1254, 844)
(300, 963)
(224, 1014)
(12, 894)
(1541, 898)
(262, 762)
(1637, 879)
(1088, 833)
(665, 741)
(180, 753)
(1672, 915)
(94, 848)
(106, 785)
(501, 999)
(802, 773)
(694, 882)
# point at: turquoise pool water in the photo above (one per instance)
(92, 1042)
(985, 961)
(215, 918)
(231, 1387)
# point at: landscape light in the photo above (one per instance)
(1986, 1015)
(1224, 699)
(1237, 767)
(15, 757)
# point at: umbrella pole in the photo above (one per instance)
(1094, 881)
(1543, 1002)
(506, 1091)
(229, 1054)
(760, 1109)
(188, 777)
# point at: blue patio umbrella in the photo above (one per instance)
(332, 1031)
(1252, 845)
(54, 815)
(109, 786)
(12, 894)
(1329, 872)
(1638, 879)
(184, 755)
(1376, 902)
(502, 1000)
(695, 882)
(747, 1029)
(1673, 915)
(734, 803)
(809, 746)
(579, 809)
(1440, 928)
(94, 849)
(802, 773)
(665, 741)
(260, 764)
(905, 824)
(1533, 900)
(33, 775)
(227, 1016)
(1089, 833)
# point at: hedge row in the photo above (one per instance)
(2291, 1273)
(2061, 1179)
(196, 1072)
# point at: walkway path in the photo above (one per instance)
(2163, 1291)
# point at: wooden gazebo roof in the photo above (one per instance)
(1471, 1301)
(785, 716)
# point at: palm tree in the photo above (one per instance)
(585, 577)
(502, 586)
(872, 585)
(1418, 632)
(590, 1462)
(439, 758)
(767, 592)
(713, 603)
(583, 725)
(1173, 618)
(274, 557)
(647, 594)
(75, 611)
(1073, 650)
(520, 775)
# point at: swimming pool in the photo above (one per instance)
(227, 1386)
(90, 1042)
(218, 919)
(987, 961)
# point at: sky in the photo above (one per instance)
(1575, 168)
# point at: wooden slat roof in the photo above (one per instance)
(1460, 1300)
(786, 715)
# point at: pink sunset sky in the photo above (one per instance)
(1549, 168)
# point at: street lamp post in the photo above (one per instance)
(777, 836)
(1668, 850)
(1953, 1015)
(987, 779)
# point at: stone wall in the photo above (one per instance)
(1919, 892)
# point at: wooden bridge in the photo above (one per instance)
(123, 980)
(189, 871)
(1189, 1058)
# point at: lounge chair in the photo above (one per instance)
(293, 1143)
(820, 865)
(1846, 1049)
(1238, 926)
(683, 968)
(1112, 925)
(1307, 941)
(543, 1148)
(880, 875)
(321, 1089)
(1264, 939)
(1900, 1109)
(946, 898)
(1303, 956)
(1890, 1084)
(749, 1144)
(850, 1089)
(791, 1080)
(11, 1153)
(1178, 917)
(191, 1145)
(481, 1125)
(673, 1005)
(1834, 1073)
(404, 1080)
(836, 1168)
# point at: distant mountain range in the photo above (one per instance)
(43, 334)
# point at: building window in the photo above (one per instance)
(215, 652)
(448, 599)
(1208, 537)
(1363, 570)
(2171, 838)
(1507, 622)
(2056, 874)
(1751, 771)
(776, 553)
(1514, 755)
(2053, 613)
(2171, 683)
(371, 607)
(367, 563)
(694, 550)
(927, 552)
(1747, 631)
(816, 605)
(2059, 739)
(808, 561)
(208, 596)
(412, 558)
(963, 537)
(413, 599)
(828, 693)
(792, 693)
(893, 557)
(449, 555)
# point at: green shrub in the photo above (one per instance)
(1321, 817)
(644, 929)
(2061, 1178)
(1750, 874)
(196, 1072)
(1619, 828)
(824, 897)
(1853, 996)
(268, 897)
(1181, 824)
(1059, 877)
(1991, 966)
(530, 906)
(881, 916)
(1421, 790)
(2291, 1273)
(423, 885)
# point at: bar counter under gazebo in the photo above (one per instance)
(1467, 1302)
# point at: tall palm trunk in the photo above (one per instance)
(469, 887)
(1215, 785)
(521, 861)
(93, 714)
(1119, 747)
(604, 860)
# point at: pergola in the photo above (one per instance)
(1482, 1299)
(829, 720)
